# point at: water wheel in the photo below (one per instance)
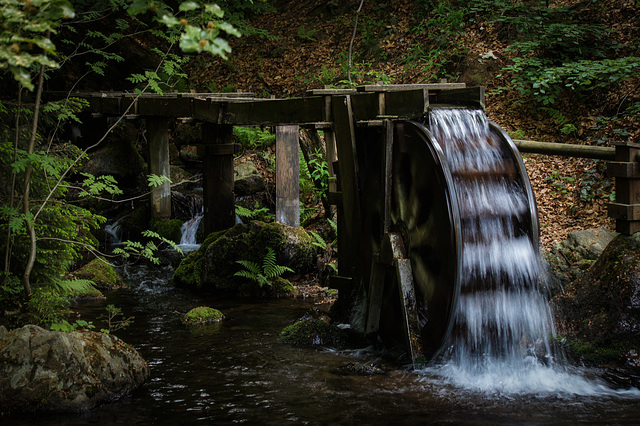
(422, 251)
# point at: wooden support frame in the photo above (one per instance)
(219, 199)
(158, 137)
(626, 209)
(287, 175)
(349, 210)
(393, 254)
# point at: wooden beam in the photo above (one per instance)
(349, 231)
(403, 87)
(158, 136)
(287, 176)
(565, 149)
(219, 199)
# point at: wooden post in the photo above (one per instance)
(626, 170)
(349, 232)
(158, 134)
(287, 176)
(219, 199)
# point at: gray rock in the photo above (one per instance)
(570, 259)
(604, 303)
(247, 179)
(42, 370)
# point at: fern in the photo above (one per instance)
(262, 275)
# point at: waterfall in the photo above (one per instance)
(113, 231)
(189, 230)
(503, 324)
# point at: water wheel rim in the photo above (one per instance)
(424, 209)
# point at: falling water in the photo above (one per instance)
(113, 231)
(189, 230)
(503, 324)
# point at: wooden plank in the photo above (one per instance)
(158, 136)
(627, 227)
(374, 297)
(624, 169)
(219, 199)
(275, 112)
(624, 211)
(411, 322)
(350, 235)
(364, 106)
(402, 87)
(165, 107)
(408, 103)
(287, 176)
(208, 111)
(316, 92)
(462, 97)
(627, 191)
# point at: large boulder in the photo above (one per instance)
(118, 158)
(213, 265)
(574, 256)
(599, 312)
(247, 179)
(44, 370)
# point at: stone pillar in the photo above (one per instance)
(158, 136)
(287, 176)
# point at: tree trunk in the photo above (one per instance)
(26, 282)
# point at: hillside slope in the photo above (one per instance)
(307, 45)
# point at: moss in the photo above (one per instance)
(600, 352)
(282, 287)
(87, 293)
(169, 229)
(101, 273)
(202, 315)
(313, 332)
(189, 274)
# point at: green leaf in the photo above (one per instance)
(188, 6)
(214, 9)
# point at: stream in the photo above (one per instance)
(238, 372)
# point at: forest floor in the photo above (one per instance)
(307, 46)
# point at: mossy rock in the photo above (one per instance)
(104, 276)
(599, 313)
(202, 315)
(86, 293)
(169, 229)
(313, 332)
(189, 274)
(213, 265)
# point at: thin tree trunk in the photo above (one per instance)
(7, 253)
(27, 187)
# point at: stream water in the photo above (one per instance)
(238, 372)
(499, 368)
